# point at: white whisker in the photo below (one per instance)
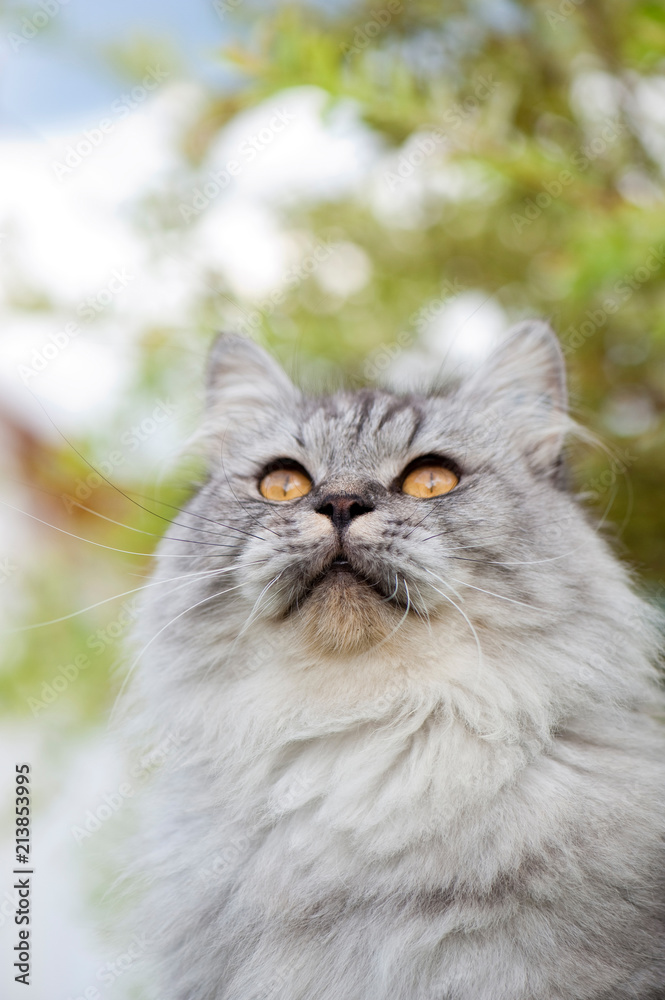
(501, 597)
(466, 619)
(153, 534)
(444, 582)
(115, 597)
(399, 623)
(394, 593)
(252, 613)
(425, 612)
(163, 629)
(113, 548)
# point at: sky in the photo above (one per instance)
(60, 74)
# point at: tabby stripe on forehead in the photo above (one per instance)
(395, 407)
(390, 411)
(417, 424)
(365, 410)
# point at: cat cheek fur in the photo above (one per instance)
(435, 774)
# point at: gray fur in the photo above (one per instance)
(447, 785)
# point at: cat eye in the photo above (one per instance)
(430, 480)
(285, 484)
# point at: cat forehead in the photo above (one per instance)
(375, 424)
(343, 429)
(364, 430)
(363, 415)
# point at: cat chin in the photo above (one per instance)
(344, 615)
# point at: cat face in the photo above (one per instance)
(357, 518)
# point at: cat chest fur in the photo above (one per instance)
(419, 852)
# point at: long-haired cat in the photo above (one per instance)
(416, 701)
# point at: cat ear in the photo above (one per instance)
(243, 378)
(523, 385)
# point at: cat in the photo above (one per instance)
(416, 699)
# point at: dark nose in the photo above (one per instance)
(342, 508)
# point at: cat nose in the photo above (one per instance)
(342, 508)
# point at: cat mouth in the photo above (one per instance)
(344, 608)
(341, 574)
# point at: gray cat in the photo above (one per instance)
(415, 697)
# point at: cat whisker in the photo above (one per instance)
(238, 501)
(444, 582)
(467, 620)
(115, 597)
(120, 524)
(96, 513)
(181, 510)
(154, 534)
(501, 597)
(392, 596)
(400, 623)
(192, 607)
(497, 562)
(418, 523)
(125, 495)
(425, 612)
(257, 603)
(408, 599)
(492, 538)
(113, 548)
(523, 562)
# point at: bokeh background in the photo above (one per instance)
(366, 189)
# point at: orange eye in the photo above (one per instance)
(285, 484)
(429, 481)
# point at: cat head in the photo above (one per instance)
(359, 551)
(356, 518)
